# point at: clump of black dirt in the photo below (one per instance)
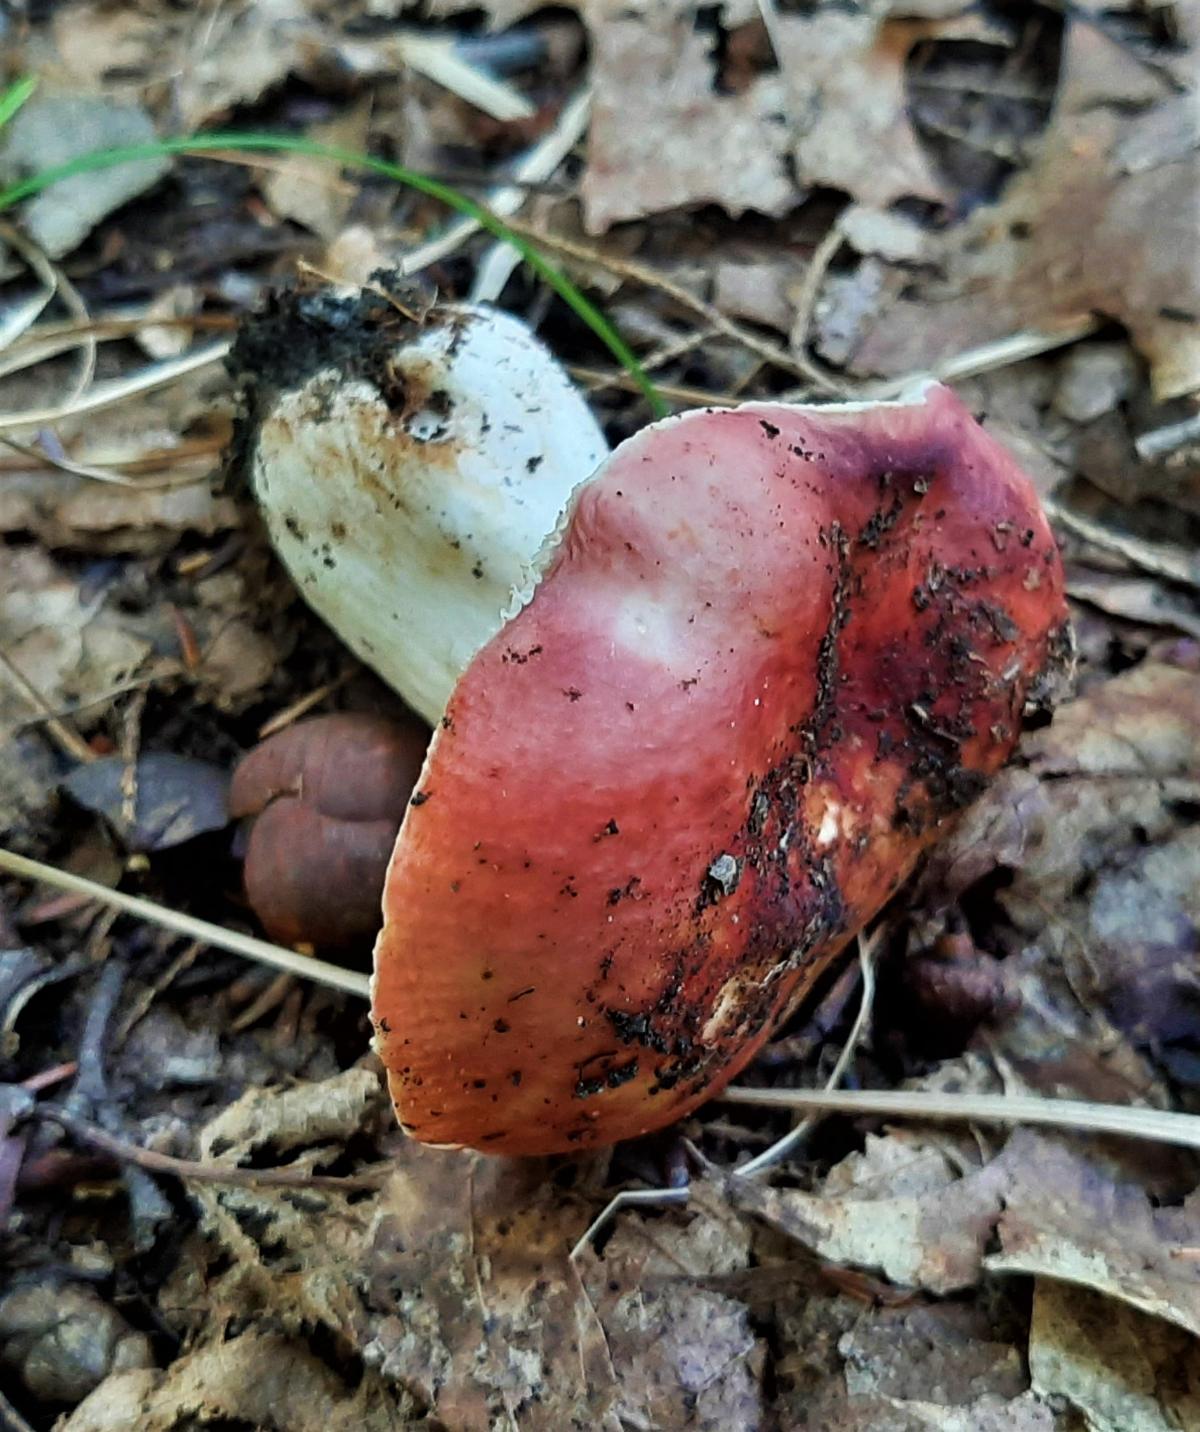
(303, 330)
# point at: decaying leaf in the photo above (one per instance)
(171, 798)
(949, 1366)
(685, 1354)
(63, 638)
(1124, 1370)
(844, 71)
(690, 145)
(259, 1380)
(1067, 1217)
(1021, 263)
(218, 60)
(961, 1351)
(296, 1257)
(901, 1207)
(1122, 923)
(837, 1412)
(481, 1314)
(29, 777)
(329, 1111)
(310, 190)
(52, 129)
(161, 448)
(1137, 599)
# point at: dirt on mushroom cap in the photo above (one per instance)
(777, 649)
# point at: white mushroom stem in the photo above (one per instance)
(408, 501)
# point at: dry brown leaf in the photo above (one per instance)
(258, 1380)
(1098, 910)
(237, 661)
(760, 287)
(663, 138)
(1136, 599)
(175, 434)
(1125, 1371)
(328, 1111)
(215, 57)
(900, 1207)
(29, 776)
(311, 190)
(1119, 756)
(94, 43)
(1057, 1211)
(949, 1352)
(844, 1366)
(235, 54)
(1066, 1217)
(62, 638)
(479, 1312)
(839, 1412)
(1020, 263)
(1140, 723)
(844, 71)
(67, 511)
(684, 1353)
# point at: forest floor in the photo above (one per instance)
(765, 200)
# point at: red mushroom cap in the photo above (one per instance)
(776, 649)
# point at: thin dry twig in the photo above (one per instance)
(10, 1418)
(787, 1145)
(989, 357)
(1158, 1125)
(106, 395)
(628, 1198)
(1160, 559)
(48, 340)
(49, 1077)
(163, 670)
(68, 739)
(665, 353)
(598, 378)
(121, 474)
(985, 358)
(192, 1170)
(140, 1005)
(61, 286)
(648, 277)
(1157, 443)
(306, 966)
(535, 164)
(806, 303)
(270, 997)
(303, 705)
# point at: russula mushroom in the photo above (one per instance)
(325, 798)
(771, 652)
(408, 463)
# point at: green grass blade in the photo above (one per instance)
(15, 96)
(353, 159)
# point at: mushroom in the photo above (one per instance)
(324, 799)
(408, 460)
(767, 655)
